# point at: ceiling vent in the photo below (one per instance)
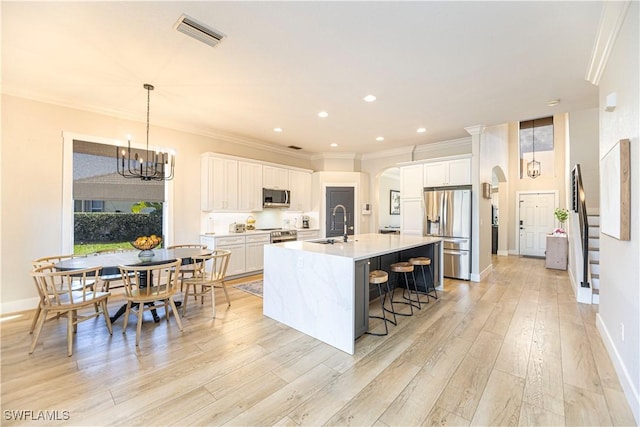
(198, 31)
(293, 147)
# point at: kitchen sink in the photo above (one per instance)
(331, 241)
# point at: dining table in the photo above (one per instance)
(110, 264)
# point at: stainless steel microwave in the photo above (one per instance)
(272, 198)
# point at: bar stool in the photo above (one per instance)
(423, 262)
(404, 268)
(379, 277)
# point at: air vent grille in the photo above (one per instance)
(293, 147)
(198, 31)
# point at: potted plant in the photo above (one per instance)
(561, 215)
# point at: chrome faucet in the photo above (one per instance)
(344, 211)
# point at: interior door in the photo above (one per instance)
(535, 222)
(335, 224)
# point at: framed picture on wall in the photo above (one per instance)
(394, 202)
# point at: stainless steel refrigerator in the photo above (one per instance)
(449, 216)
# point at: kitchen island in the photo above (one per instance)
(322, 289)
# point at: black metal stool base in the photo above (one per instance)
(408, 301)
(384, 309)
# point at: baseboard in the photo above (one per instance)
(513, 252)
(630, 392)
(583, 295)
(483, 275)
(18, 306)
(503, 253)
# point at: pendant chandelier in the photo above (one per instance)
(154, 166)
(533, 167)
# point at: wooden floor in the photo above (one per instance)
(515, 349)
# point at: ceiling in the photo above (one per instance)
(443, 66)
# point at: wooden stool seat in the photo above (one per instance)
(421, 260)
(378, 276)
(401, 267)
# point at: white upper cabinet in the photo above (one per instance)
(450, 172)
(219, 184)
(411, 181)
(300, 186)
(249, 186)
(273, 177)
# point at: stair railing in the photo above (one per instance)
(580, 207)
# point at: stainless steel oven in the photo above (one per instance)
(279, 236)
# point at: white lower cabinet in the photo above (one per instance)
(308, 235)
(254, 254)
(247, 251)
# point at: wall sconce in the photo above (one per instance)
(486, 190)
(610, 103)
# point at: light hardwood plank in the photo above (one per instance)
(501, 401)
(415, 402)
(584, 407)
(619, 410)
(463, 392)
(442, 417)
(460, 358)
(532, 415)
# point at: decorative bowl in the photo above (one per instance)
(145, 245)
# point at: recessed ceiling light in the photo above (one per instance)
(323, 114)
(380, 138)
(369, 98)
(333, 144)
(553, 102)
(421, 130)
(277, 129)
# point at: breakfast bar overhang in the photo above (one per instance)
(322, 288)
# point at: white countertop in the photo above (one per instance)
(361, 246)
(254, 232)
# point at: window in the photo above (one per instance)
(109, 210)
(542, 131)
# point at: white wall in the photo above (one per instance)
(583, 150)
(619, 260)
(32, 202)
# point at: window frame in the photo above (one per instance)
(67, 189)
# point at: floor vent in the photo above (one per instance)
(198, 31)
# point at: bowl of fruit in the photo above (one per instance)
(145, 244)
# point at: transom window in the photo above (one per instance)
(536, 139)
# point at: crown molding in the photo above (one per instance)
(168, 124)
(475, 130)
(611, 20)
(389, 153)
(343, 156)
(437, 146)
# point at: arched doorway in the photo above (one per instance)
(386, 218)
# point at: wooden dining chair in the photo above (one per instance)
(147, 284)
(65, 293)
(210, 272)
(41, 262)
(186, 270)
(107, 279)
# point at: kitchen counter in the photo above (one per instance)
(252, 232)
(323, 289)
